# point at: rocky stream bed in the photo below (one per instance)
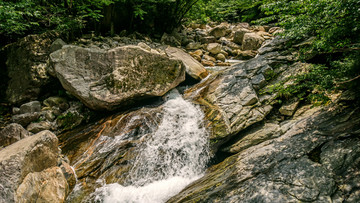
(128, 119)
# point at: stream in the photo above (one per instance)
(172, 156)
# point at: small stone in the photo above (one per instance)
(220, 57)
(265, 35)
(193, 46)
(11, 134)
(232, 45)
(209, 58)
(214, 48)
(38, 127)
(30, 107)
(252, 41)
(239, 35)
(26, 118)
(242, 25)
(170, 40)
(225, 53)
(56, 110)
(227, 49)
(219, 31)
(198, 52)
(16, 110)
(207, 39)
(56, 45)
(289, 108)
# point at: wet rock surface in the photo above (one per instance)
(106, 150)
(301, 162)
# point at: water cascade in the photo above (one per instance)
(171, 157)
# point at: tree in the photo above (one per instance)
(334, 26)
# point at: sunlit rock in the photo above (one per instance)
(192, 67)
(105, 80)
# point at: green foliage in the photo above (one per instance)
(334, 23)
(69, 120)
(22, 17)
(218, 10)
(334, 26)
(314, 85)
(18, 18)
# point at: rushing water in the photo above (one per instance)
(173, 156)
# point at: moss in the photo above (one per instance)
(69, 120)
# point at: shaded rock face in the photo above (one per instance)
(27, 67)
(304, 160)
(22, 165)
(107, 150)
(107, 79)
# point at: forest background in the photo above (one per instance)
(331, 28)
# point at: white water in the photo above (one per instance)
(171, 157)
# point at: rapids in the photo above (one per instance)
(174, 155)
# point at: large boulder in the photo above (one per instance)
(230, 99)
(27, 66)
(252, 41)
(30, 155)
(107, 79)
(195, 69)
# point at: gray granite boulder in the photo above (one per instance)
(108, 79)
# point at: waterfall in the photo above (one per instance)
(170, 158)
